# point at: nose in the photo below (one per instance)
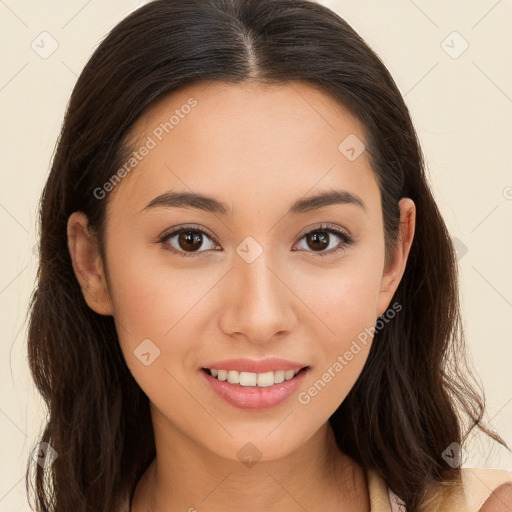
(259, 303)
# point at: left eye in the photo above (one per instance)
(319, 237)
(191, 239)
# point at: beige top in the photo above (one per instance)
(477, 486)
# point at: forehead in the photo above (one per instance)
(244, 140)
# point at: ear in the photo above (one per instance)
(87, 264)
(396, 266)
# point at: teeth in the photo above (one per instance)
(262, 380)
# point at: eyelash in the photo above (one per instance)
(346, 240)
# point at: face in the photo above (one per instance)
(266, 274)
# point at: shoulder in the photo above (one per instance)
(487, 490)
(500, 499)
(479, 490)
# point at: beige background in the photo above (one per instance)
(461, 103)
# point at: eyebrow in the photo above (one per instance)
(172, 199)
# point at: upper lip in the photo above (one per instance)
(271, 364)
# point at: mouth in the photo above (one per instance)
(252, 379)
(254, 392)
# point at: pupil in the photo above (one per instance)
(321, 238)
(190, 240)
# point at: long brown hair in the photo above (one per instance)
(402, 412)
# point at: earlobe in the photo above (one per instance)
(396, 267)
(87, 264)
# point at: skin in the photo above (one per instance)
(258, 149)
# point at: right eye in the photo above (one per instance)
(188, 242)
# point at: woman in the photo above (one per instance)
(247, 296)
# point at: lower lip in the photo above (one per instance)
(254, 398)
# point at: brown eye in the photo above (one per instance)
(317, 240)
(187, 241)
(323, 241)
(190, 240)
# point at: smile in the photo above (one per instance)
(254, 391)
(262, 380)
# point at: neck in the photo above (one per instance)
(185, 476)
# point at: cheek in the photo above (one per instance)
(340, 357)
(152, 304)
(343, 304)
(151, 292)
(342, 299)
